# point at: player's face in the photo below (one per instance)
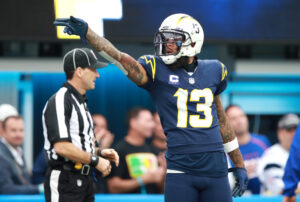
(89, 77)
(14, 132)
(144, 123)
(238, 120)
(172, 42)
(168, 43)
(171, 47)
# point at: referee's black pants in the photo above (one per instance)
(66, 186)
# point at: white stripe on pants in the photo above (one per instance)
(54, 177)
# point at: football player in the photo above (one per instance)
(186, 92)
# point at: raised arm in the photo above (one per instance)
(77, 26)
(136, 72)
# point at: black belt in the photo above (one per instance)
(84, 170)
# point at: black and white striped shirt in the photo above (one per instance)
(66, 117)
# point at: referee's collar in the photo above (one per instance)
(79, 97)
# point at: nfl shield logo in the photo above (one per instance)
(79, 182)
(191, 80)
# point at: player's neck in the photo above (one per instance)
(134, 138)
(192, 59)
(192, 64)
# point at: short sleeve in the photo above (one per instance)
(222, 84)
(56, 118)
(149, 64)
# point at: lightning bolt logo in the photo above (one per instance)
(152, 64)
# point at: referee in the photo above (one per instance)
(69, 136)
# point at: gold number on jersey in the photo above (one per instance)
(194, 120)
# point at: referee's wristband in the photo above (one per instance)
(99, 153)
(94, 160)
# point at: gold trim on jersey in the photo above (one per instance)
(152, 64)
(224, 71)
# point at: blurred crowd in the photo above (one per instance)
(142, 154)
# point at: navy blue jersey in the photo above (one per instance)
(186, 105)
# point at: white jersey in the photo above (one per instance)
(271, 169)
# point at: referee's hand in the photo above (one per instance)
(111, 155)
(103, 166)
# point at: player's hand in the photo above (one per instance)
(103, 166)
(111, 155)
(74, 26)
(240, 175)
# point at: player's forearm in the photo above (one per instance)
(236, 158)
(228, 136)
(225, 127)
(228, 133)
(135, 72)
(101, 44)
(118, 185)
(71, 152)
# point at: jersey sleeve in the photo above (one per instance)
(222, 84)
(56, 118)
(149, 64)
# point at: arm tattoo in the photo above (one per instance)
(133, 68)
(236, 158)
(225, 128)
(135, 72)
(227, 133)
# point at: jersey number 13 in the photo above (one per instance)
(182, 107)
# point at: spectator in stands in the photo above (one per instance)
(138, 170)
(6, 110)
(103, 136)
(291, 176)
(14, 177)
(104, 139)
(272, 163)
(251, 145)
